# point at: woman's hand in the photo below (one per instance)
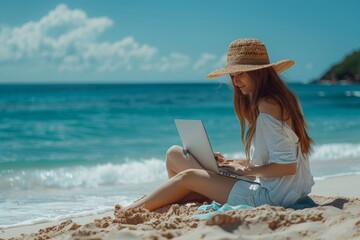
(235, 167)
(219, 157)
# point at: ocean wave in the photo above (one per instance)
(323, 152)
(109, 174)
(336, 151)
(22, 211)
(352, 93)
(39, 220)
(134, 171)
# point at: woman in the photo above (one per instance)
(276, 143)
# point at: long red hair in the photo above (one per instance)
(268, 85)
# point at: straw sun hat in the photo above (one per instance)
(247, 55)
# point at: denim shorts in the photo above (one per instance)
(247, 193)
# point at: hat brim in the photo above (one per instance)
(279, 67)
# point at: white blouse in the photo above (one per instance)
(274, 143)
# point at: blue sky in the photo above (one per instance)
(167, 41)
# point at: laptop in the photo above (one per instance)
(196, 141)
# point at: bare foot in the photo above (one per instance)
(129, 215)
(119, 210)
(120, 214)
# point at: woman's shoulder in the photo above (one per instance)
(269, 106)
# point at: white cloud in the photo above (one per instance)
(168, 63)
(121, 54)
(204, 59)
(52, 37)
(68, 38)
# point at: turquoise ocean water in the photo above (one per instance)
(75, 150)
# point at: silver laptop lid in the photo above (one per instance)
(195, 140)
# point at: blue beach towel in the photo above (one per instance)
(305, 202)
(301, 203)
(217, 207)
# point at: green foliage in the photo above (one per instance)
(349, 67)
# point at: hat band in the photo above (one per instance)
(247, 60)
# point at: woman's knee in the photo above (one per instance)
(174, 149)
(174, 152)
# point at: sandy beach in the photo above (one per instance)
(336, 217)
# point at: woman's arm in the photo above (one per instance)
(245, 168)
(271, 170)
(268, 170)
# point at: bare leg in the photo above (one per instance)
(177, 162)
(206, 183)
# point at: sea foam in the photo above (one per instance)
(108, 174)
